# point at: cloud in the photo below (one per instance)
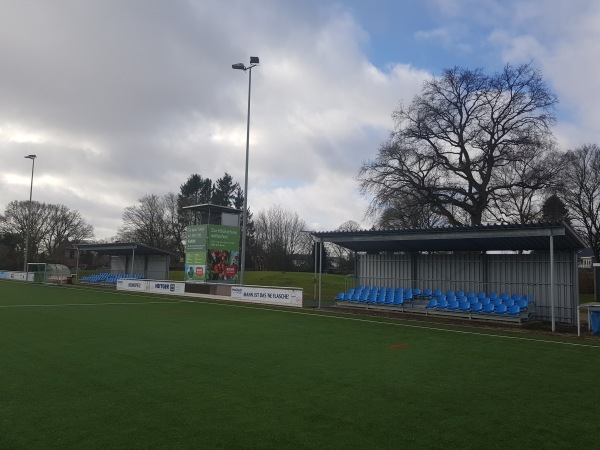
(121, 99)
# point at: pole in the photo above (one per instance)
(245, 215)
(26, 267)
(552, 282)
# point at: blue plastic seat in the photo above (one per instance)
(436, 293)
(416, 292)
(364, 294)
(390, 297)
(373, 295)
(381, 295)
(485, 301)
(459, 293)
(427, 293)
(481, 295)
(476, 307)
(340, 296)
(522, 303)
(348, 295)
(470, 294)
(432, 304)
(449, 292)
(514, 310)
(453, 305)
(488, 308)
(442, 304)
(450, 297)
(504, 296)
(509, 301)
(500, 309)
(464, 306)
(516, 297)
(356, 295)
(496, 301)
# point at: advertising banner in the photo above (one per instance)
(132, 285)
(10, 275)
(151, 286)
(271, 296)
(212, 253)
(166, 287)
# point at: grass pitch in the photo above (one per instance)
(102, 369)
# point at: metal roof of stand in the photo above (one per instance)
(121, 249)
(463, 238)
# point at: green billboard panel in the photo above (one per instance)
(212, 253)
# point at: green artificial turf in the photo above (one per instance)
(104, 369)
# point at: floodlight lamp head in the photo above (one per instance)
(254, 60)
(31, 156)
(239, 66)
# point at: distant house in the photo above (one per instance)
(585, 258)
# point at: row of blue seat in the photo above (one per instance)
(398, 296)
(478, 307)
(109, 278)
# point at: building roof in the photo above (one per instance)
(122, 248)
(209, 207)
(463, 238)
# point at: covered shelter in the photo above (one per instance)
(132, 258)
(207, 213)
(537, 259)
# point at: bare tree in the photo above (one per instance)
(527, 178)
(64, 225)
(150, 222)
(448, 144)
(51, 225)
(580, 190)
(279, 236)
(345, 257)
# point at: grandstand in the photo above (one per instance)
(108, 278)
(534, 260)
(470, 305)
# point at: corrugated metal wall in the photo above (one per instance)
(511, 273)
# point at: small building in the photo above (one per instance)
(132, 258)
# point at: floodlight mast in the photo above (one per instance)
(25, 266)
(240, 66)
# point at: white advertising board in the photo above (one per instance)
(152, 286)
(166, 287)
(132, 285)
(270, 296)
(8, 275)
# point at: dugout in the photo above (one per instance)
(536, 259)
(132, 258)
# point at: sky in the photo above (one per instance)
(123, 98)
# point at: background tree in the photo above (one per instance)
(345, 257)
(580, 190)
(555, 210)
(64, 225)
(225, 191)
(195, 191)
(406, 212)
(526, 178)
(449, 143)
(150, 222)
(279, 235)
(51, 226)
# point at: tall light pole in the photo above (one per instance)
(240, 66)
(25, 268)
